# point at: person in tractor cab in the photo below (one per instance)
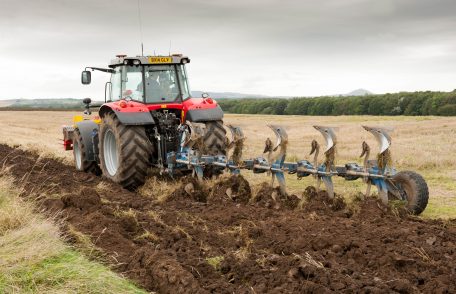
(168, 86)
(152, 85)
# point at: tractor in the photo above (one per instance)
(148, 104)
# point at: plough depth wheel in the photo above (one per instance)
(412, 188)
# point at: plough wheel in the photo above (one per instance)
(415, 190)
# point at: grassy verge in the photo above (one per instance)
(34, 259)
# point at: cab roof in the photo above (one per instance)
(149, 60)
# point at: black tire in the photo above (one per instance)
(128, 161)
(215, 138)
(215, 143)
(79, 155)
(413, 186)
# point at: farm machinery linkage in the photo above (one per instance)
(150, 119)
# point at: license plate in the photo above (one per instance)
(160, 59)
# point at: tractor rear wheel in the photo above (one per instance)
(215, 138)
(124, 152)
(80, 153)
(215, 143)
(414, 189)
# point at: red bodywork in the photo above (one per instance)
(185, 106)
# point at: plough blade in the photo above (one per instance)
(281, 137)
(194, 136)
(237, 143)
(315, 149)
(331, 141)
(382, 135)
(329, 135)
(384, 140)
(276, 162)
(329, 186)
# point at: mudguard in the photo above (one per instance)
(198, 115)
(131, 117)
(135, 118)
(86, 128)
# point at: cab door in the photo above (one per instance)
(115, 90)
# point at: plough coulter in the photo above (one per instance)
(150, 120)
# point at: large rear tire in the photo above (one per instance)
(414, 188)
(215, 143)
(215, 138)
(80, 155)
(124, 152)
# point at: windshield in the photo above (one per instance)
(165, 83)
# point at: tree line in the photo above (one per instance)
(403, 103)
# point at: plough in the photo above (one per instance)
(407, 186)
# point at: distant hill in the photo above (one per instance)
(6, 103)
(359, 92)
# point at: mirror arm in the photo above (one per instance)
(109, 70)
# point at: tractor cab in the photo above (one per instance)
(146, 79)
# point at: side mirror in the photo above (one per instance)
(204, 95)
(86, 77)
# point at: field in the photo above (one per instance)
(424, 144)
(169, 238)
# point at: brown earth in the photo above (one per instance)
(205, 239)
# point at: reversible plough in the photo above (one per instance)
(406, 186)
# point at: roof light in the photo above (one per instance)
(121, 55)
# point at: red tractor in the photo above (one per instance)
(147, 105)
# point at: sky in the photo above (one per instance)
(269, 47)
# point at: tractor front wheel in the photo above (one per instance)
(80, 155)
(414, 189)
(124, 152)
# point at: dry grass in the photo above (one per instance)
(34, 258)
(158, 189)
(425, 144)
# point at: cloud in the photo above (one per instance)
(270, 47)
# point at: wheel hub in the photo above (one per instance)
(110, 154)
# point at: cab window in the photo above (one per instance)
(132, 85)
(115, 84)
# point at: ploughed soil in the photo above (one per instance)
(223, 239)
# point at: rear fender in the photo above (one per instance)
(132, 116)
(208, 114)
(89, 134)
